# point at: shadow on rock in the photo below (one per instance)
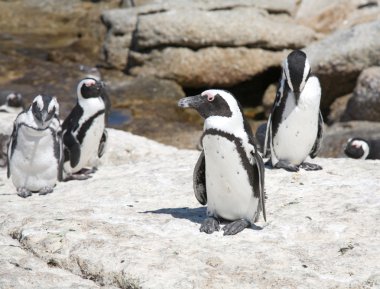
(196, 215)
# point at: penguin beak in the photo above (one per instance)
(191, 101)
(297, 96)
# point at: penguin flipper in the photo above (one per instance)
(199, 179)
(318, 140)
(268, 137)
(259, 187)
(102, 144)
(11, 147)
(72, 148)
(61, 157)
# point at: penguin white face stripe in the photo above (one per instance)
(53, 104)
(361, 144)
(287, 73)
(40, 102)
(305, 74)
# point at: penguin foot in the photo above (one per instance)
(86, 171)
(235, 227)
(23, 192)
(286, 166)
(310, 167)
(210, 225)
(77, 177)
(45, 191)
(268, 164)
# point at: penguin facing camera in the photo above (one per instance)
(84, 132)
(14, 103)
(359, 148)
(295, 125)
(229, 174)
(35, 148)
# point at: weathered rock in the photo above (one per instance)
(155, 26)
(121, 25)
(339, 58)
(365, 102)
(337, 109)
(269, 98)
(135, 224)
(207, 67)
(150, 6)
(247, 27)
(326, 16)
(336, 136)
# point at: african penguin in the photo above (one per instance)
(229, 174)
(84, 133)
(14, 103)
(295, 125)
(359, 148)
(35, 155)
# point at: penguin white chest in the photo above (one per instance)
(90, 143)
(33, 164)
(297, 131)
(229, 193)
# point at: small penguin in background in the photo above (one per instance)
(359, 148)
(14, 103)
(295, 125)
(229, 174)
(93, 72)
(35, 155)
(84, 132)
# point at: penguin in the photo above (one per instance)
(35, 155)
(295, 125)
(260, 136)
(359, 148)
(229, 174)
(84, 132)
(14, 103)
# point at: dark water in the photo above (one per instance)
(119, 117)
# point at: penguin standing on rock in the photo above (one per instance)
(84, 133)
(295, 125)
(35, 148)
(229, 174)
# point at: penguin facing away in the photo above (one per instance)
(84, 133)
(229, 174)
(359, 148)
(295, 125)
(35, 155)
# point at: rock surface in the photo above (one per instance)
(208, 28)
(336, 136)
(211, 66)
(339, 58)
(135, 225)
(365, 101)
(326, 16)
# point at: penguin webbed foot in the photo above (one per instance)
(210, 225)
(77, 177)
(310, 167)
(45, 191)
(235, 227)
(287, 166)
(23, 192)
(83, 174)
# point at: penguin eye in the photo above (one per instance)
(210, 98)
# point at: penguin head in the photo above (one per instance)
(15, 100)
(357, 148)
(296, 70)
(211, 102)
(44, 108)
(89, 88)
